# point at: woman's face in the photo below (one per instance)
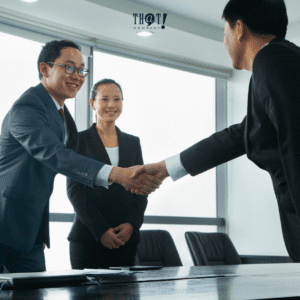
(108, 102)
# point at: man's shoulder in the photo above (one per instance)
(32, 104)
(31, 95)
(277, 48)
(278, 55)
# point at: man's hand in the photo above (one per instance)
(141, 185)
(125, 231)
(159, 170)
(110, 240)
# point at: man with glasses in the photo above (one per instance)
(38, 139)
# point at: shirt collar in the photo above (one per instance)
(264, 45)
(56, 104)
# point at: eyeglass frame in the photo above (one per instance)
(75, 69)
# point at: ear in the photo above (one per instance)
(241, 29)
(92, 102)
(44, 67)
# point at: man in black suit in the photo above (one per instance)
(269, 134)
(38, 136)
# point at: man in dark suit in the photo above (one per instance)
(38, 136)
(269, 134)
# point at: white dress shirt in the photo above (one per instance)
(175, 168)
(113, 154)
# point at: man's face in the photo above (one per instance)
(232, 45)
(60, 84)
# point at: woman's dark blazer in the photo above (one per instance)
(99, 209)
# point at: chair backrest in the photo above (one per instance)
(157, 248)
(213, 248)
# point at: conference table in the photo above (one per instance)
(253, 281)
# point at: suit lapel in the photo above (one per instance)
(48, 102)
(98, 148)
(125, 149)
(99, 151)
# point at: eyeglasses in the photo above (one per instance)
(71, 69)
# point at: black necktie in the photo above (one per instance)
(62, 114)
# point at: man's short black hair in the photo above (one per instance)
(264, 17)
(51, 51)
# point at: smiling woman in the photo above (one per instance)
(105, 232)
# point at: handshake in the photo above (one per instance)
(140, 180)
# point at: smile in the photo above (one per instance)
(72, 85)
(111, 112)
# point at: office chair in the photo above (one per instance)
(157, 248)
(213, 248)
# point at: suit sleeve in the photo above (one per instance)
(217, 149)
(29, 125)
(82, 198)
(136, 215)
(276, 79)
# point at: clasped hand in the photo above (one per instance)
(112, 240)
(156, 170)
(140, 180)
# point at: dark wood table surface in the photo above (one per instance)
(172, 273)
(264, 281)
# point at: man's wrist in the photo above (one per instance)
(163, 168)
(114, 175)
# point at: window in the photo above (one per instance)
(169, 110)
(18, 69)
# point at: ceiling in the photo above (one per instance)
(191, 11)
(208, 11)
(193, 33)
(203, 11)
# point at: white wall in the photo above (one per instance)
(254, 224)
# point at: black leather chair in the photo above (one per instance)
(213, 248)
(157, 248)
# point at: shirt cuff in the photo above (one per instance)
(175, 167)
(102, 176)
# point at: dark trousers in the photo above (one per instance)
(93, 255)
(16, 261)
